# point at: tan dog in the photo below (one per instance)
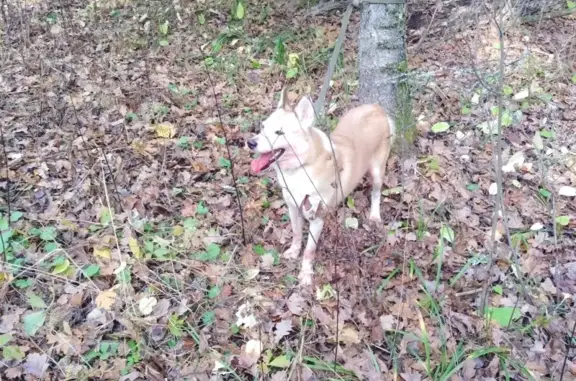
(317, 172)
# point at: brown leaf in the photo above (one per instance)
(295, 304)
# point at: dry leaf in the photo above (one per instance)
(349, 335)
(106, 299)
(165, 130)
(134, 247)
(146, 305)
(36, 364)
(567, 191)
(387, 322)
(283, 328)
(295, 304)
(102, 253)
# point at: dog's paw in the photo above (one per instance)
(306, 273)
(291, 253)
(375, 218)
(305, 279)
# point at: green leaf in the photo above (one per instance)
(91, 271)
(503, 315)
(279, 51)
(163, 28)
(201, 208)
(23, 283)
(447, 233)
(183, 142)
(124, 276)
(208, 317)
(15, 216)
(239, 10)
(50, 247)
(5, 339)
(570, 4)
(546, 134)
(350, 202)
(212, 252)
(201, 18)
(214, 292)
(48, 233)
(508, 90)
(563, 220)
(292, 72)
(498, 289)
(191, 224)
(12, 352)
(163, 42)
(224, 163)
(62, 267)
(544, 193)
(574, 78)
(130, 116)
(472, 187)
(280, 362)
(440, 127)
(466, 110)
(259, 249)
(35, 301)
(4, 225)
(507, 118)
(33, 322)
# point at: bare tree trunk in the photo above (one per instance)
(383, 67)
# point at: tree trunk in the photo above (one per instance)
(383, 67)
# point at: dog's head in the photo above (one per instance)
(285, 135)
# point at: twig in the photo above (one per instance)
(7, 197)
(545, 16)
(568, 351)
(423, 36)
(238, 201)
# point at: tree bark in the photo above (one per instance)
(383, 66)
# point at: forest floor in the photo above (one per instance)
(125, 255)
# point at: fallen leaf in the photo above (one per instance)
(106, 299)
(440, 127)
(387, 322)
(165, 130)
(102, 252)
(548, 286)
(349, 335)
(537, 141)
(493, 190)
(283, 328)
(515, 161)
(134, 247)
(567, 191)
(146, 305)
(33, 322)
(36, 364)
(280, 362)
(295, 304)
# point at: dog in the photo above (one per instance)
(317, 172)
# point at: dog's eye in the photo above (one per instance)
(279, 132)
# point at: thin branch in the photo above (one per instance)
(238, 201)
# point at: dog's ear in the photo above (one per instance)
(284, 101)
(305, 112)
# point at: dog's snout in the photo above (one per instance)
(252, 143)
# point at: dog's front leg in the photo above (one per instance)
(307, 271)
(297, 222)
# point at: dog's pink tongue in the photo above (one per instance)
(261, 162)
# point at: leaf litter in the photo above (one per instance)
(124, 255)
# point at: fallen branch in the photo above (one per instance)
(545, 16)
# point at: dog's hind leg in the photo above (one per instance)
(377, 172)
(305, 276)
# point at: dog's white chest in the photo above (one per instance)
(298, 188)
